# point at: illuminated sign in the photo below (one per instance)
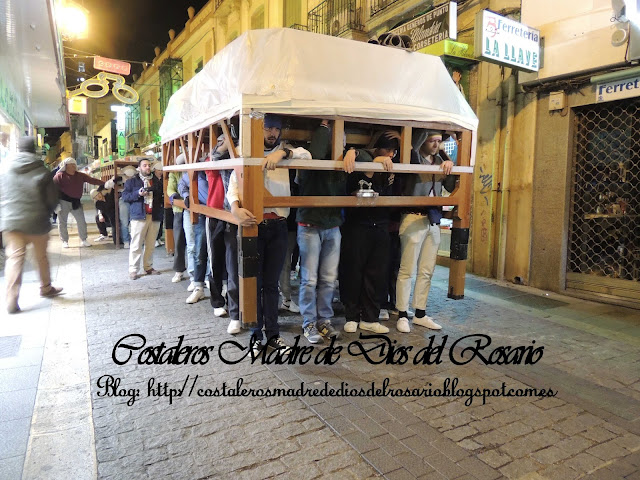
(121, 111)
(77, 105)
(506, 42)
(432, 27)
(110, 65)
(124, 93)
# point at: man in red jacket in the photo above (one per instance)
(70, 182)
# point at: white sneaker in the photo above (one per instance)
(235, 326)
(384, 315)
(293, 307)
(219, 311)
(427, 322)
(177, 277)
(351, 327)
(65, 244)
(85, 243)
(158, 243)
(100, 238)
(191, 287)
(374, 327)
(196, 295)
(403, 325)
(125, 244)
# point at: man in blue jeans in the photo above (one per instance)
(319, 241)
(272, 233)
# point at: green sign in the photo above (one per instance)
(450, 48)
(10, 103)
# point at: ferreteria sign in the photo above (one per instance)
(626, 88)
(506, 42)
(432, 27)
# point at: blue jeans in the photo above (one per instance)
(191, 243)
(231, 257)
(319, 259)
(123, 208)
(200, 251)
(272, 248)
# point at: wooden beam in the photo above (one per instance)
(351, 201)
(317, 165)
(461, 219)
(227, 140)
(405, 145)
(337, 141)
(213, 212)
(187, 155)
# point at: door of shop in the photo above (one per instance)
(604, 225)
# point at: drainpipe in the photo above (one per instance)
(506, 172)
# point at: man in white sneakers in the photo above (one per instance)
(420, 230)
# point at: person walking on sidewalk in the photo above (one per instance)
(70, 182)
(143, 194)
(28, 197)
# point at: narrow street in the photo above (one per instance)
(56, 422)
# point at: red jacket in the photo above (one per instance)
(215, 198)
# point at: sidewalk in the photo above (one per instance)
(55, 423)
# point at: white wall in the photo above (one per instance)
(577, 36)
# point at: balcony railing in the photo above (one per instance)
(298, 26)
(334, 17)
(378, 6)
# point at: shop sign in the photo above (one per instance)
(450, 48)
(625, 88)
(506, 42)
(77, 105)
(432, 27)
(111, 65)
(121, 112)
(10, 103)
(98, 87)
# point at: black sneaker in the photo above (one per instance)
(257, 347)
(278, 343)
(327, 330)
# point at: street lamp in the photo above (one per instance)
(73, 20)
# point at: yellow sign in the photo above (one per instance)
(124, 93)
(451, 48)
(77, 105)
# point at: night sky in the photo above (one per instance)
(127, 30)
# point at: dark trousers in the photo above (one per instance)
(180, 244)
(388, 298)
(200, 250)
(102, 226)
(216, 252)
(364, 257)
(272, 249)
(233, 283)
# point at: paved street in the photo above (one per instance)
(56, 423)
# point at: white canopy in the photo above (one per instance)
(294, 72)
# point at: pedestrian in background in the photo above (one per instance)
(70, 182)
(143, 194)
(28, 197)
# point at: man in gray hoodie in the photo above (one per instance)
(28, 197)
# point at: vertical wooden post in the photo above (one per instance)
(192, 157)
(405, 145)
(461, 221)
(251, 198)
(116, 200)
(167, 157)
(337, 142)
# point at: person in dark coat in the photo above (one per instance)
(28, 197)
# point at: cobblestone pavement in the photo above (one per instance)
(590, 429)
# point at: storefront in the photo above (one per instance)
(604, 225)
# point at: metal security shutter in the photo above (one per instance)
(604, 228)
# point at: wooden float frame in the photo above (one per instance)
(255, 198)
